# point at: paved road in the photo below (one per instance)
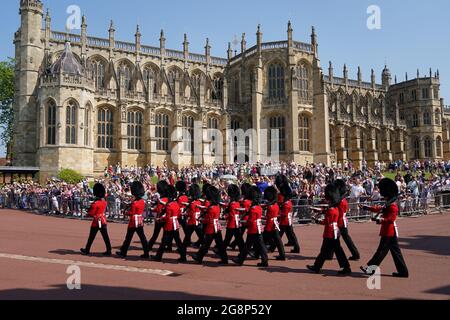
(35, 252)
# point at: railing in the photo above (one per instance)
(306, 47)
(97, 42)
(66, 79)
(78, 206)
(274, 45)
(125, 46)
(354, 83)
(197, 57)
(175, 54)
(219, 61)
(151, 50)
(63, 37)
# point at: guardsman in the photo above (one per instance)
(254, 231)
(233, 217)
(193, 216)
(271, 234)
(213, 230)
(246, 203)
(286, 218)
(182, 202)
(331, 241)
(343, 221)
(136, 224)
(171, 227)
(386, 216)
(99, 223)
(162, 188)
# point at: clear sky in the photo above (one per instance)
(414, 33)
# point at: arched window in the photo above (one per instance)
(303, 81)
(188, 133)
(346, 139)
(377, 141)
(277, 123)
(235, 124)
(98, 68)
(428, 148)
(196, 83)
(415, 120)
(391, 141)
(439, 147)
(162, 132)
(426, 118)
(332, 140)
(304, 136)
(51, 123)
(437, 118)
(362, 140)
(125, 76)
(149, 76)
(134, 130)
(213, 126)
(71, 123)
(416, 147)
(218, 89)
(105, 132)
(87, 125)
(276, 82)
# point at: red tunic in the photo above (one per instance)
(160, 207)
(246, 204)
(343, 209)
(212, 220)
(135, 213)
(171, 217)
(330, 222)
(286, 214)
(254, 222)
(388, 225)
(234, 216)
(182, 200)
(272, 215)
(97, 211)
(193, 213)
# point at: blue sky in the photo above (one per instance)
(414, 34)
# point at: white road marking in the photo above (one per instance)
(88, 264)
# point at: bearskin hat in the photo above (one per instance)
(245, 189)
(213, 195)
(332, 194)
(194, 192)
(234, 192)
(281, 180)
(255, 195)
(340, 184)
(99, 191)
(205, 189)
(137, 189)
(162, 188)
(181, 186)
(270, 194)
(171, 193)
(388, 188)
(286, 191)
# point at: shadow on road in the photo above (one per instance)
(442, 290)
(439, 245)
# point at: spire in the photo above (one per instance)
(406, 76)
(330, 71)
(372, 78)
(229, 52)
(111, 27)
(395, 79)
(259, 38)
(431, 73)
(138, 31)
(162, 40)
(437, 72)
(314, 43)
(418, 74)
(359, 75)
(345, 71)
(289, 33)
(185, 44)
(83, 22)
(207, 48)
(243, 43)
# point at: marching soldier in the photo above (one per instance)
(286, 218)
(254, 231)
(386, 217)
(233, 217)
(171, 227)
(246, 203)
(99, 223)
(162, 189)
(272, 229)
(136, 224)
(193, 216)
(331, 241)
(212, 227)
(182, 202)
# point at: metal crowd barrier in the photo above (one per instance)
(77, 207)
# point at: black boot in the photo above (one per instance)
(312, 268)
(400, 275)
(156, 258)
(345, 271)
(263, 264)
(121, 254)
(84, 252)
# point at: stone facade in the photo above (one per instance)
(84, 103)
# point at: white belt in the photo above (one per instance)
(396, 229)
(275, 222)
(290, 218)
(136, 220)
(175, 223)
(345, 220)
(197, 216)
(99, 223)
(237, 219)
(335, 230)
(216, 225)
(259, 225)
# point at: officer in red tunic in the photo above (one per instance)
(99, 223)
(193, 216)
(182, 202)
(271, 234)
(171, 227)
(331, 241)
(386, 217)
(254, 231)
(343, 222)
(136, 224)
(286, 218)
(213, 230)
(246, 203)
(158, 211)
(233, 217)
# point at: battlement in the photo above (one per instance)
(35, 5)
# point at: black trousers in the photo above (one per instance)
(273, 239)
(254, 240)
(242, 230)
(236, 233)
(217, 237)
(129, 237)
(168, 238)
(188, 235)
(290, 234)
(93, 233)
(328, 247)
(389, 244)
(156, 231)
(183, 223)
(349, 242)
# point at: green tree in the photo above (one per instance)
(70, 176)
(6, 100)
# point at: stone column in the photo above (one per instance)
(355, 142)
(341, 151)
(292, 138)
(386, 146)
(122, 136)
(372, 152)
